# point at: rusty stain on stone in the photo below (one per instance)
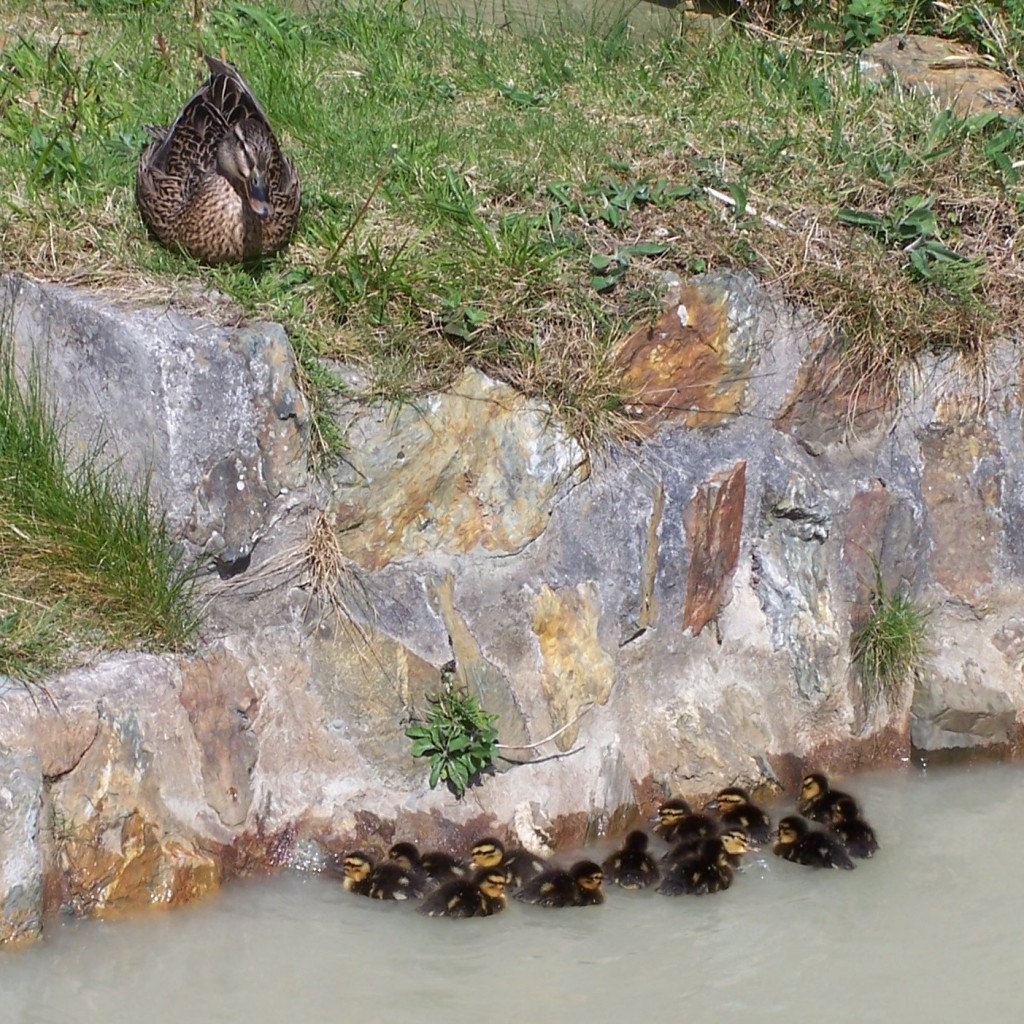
(576, 670)
(686, 368)
(713, 521)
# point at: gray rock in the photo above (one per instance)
(211, 416)
(21, 858)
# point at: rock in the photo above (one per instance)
(958, 76)
(666, 616)
(211, 416)
(476, 467)
(21, 860)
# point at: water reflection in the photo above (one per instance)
(925, 931)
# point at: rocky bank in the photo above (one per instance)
(676, 612)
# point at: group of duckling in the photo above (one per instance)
(704, 850)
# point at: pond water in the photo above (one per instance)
(929, 930)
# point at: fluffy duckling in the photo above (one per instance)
(356, 868)
(707, 866)
(676, 821)
(817, 798)
(390, 881)
(479, 896)
(520, 865)
(580, 886)
(735, 807)
(853, 831)
(812, 847)
(434, 867)
(632, 867)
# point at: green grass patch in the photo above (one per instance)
(474, 197)
(890, 645)
(85, 565)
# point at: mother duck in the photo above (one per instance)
(216, 182)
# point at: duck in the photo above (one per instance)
(430, 868)
(677, 821)
(215, 183)
(520, 865)
(735, 807)
(853, 831)
(355, 870)
(390, 881)
(631, 866)
(708, 866)
(579, 886)
(812, 847)
(479, 896)
(817, 798)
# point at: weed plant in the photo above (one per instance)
(889, 646)
(84, 563)
(458, 737)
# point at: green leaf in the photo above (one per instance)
(599, 262)
(603, 283)
(423, 747)
(646, 249)
(435, 772)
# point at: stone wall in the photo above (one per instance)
(674, 613)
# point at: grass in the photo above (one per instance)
(477, 198)
(84, 564)
(522, 195)
(890, 645)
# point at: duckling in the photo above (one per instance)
(355, 870)
(676, 821)
(580, 886)
(817, 798)
(434, 867)
(520, 865)
(707, 866)
(734, 807)
(479, 896)
(390, 881)
(854, 832)
(215, 182)
(631, 867)
(812, 847)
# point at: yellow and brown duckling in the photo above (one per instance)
(801, 844)
(216, 183)
(384, 881)
(853, 831)
(479, 896)
(520, 865)
(817, 798)
(355, 870)
(708, 866)
(735, 808)
(676, 822)
(631, 867)
(580, 886)
(429, 868)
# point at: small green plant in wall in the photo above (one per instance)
(889, 647)
(458, 736)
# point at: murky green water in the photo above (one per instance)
(931, 930)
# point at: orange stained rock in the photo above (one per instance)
(690, 367)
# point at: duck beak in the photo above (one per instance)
(711, 805)
(256, 193)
